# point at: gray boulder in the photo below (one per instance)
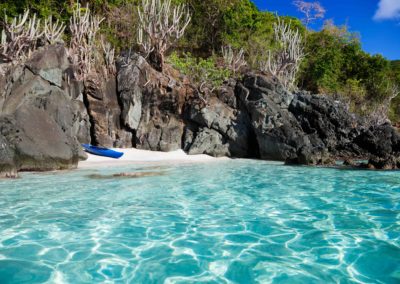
(49, 63)
(30, 87)
(210, 142)
(41, 123)
(38, 143)
(227, 119)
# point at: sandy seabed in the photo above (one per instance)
(136, 156)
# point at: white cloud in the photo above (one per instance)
(387, 10)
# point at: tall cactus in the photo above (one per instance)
(284, 63)
(160, 26)
(20, 37)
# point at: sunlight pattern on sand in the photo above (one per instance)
(225, 222)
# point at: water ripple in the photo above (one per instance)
(229, 222)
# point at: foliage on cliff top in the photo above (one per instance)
(200, 70)
(334, 63)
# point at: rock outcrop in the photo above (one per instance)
(42, 114)
(279, 134)
(342, 134)
(152, 104)
(38, 142)
(220, 126)
(254, 117)
(301, 128)
(45, 114)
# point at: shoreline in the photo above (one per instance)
(137, 156)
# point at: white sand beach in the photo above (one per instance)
(132, 156)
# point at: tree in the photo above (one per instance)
(336, 64)
(312, 11)
(323, 68)
(205, 33)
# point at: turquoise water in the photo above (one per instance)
(226, 222)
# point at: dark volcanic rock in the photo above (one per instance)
(29, 88)
(45, 113)
(279, 134)
(254, 117)
(342, 133)
(229, 128)
(382, 140)
(160, 135)
(49, 63)
(309, 129)
(131, 80)
(210, 142)
(326, 119)
(388, 163)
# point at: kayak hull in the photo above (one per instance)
(100, 151)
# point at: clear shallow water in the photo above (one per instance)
(228, 222)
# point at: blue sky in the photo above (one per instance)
(378, 21)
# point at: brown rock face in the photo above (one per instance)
(105, 114)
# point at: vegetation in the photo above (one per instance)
(395, 105)
(334, 62)
(204, 73)
(159, 25)
(233, 59)
(284, 62)
(339, 66)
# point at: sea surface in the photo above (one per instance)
(223, 222)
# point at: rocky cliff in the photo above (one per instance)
(45, 114)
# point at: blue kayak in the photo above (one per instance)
(99, 151)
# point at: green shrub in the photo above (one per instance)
(336, 64)
(200, 70)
